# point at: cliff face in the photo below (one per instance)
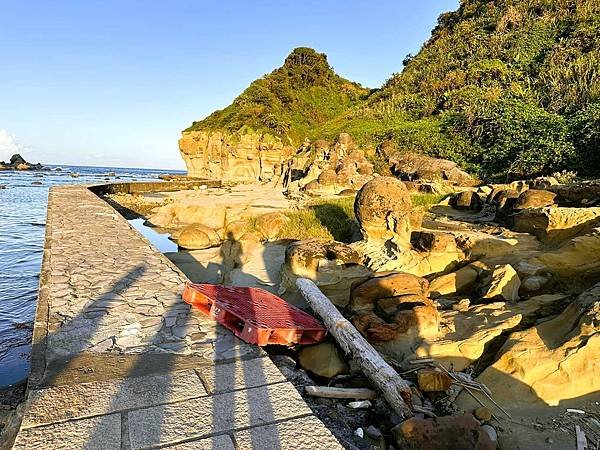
(240, 156)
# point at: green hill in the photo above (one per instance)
(503, 87)
(290, 101)
(506, 88)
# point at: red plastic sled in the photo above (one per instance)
(255, 315)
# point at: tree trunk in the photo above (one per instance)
(395, 389)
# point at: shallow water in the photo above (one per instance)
(160, 240)
(22, 225)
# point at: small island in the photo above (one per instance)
(17, 162)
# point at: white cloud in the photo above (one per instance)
(8, 145)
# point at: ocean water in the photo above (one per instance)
(23, 203)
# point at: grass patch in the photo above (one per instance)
(334, 218)
(327, 219)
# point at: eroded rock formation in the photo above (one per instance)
(237, 157)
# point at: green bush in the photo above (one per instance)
(585, 133)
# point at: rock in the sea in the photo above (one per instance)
(442, 433)
(553, 362)
(534, 198)
(457, 282)
(322, 359)
(383, 207)
(504, 284)
(197, 237)
(384, 285)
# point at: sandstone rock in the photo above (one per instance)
(323, 359)
(188, 211)
(483, 413)
(197, 237)
(412, 166)
(270, 225)
(552, 362)
(534, 283)
(364, 295)
(466, 200)
(389, 306)
(241, 156)
(432, 241)
(504, 283)
(464, 335)
(382, 207)
(579, 256)
(235, 230)
(534, 198)
(454, 283)
(333, 266)
(431, 380)
(442, 433)
(553, 224)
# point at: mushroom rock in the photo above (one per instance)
(383, 207)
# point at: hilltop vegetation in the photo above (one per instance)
(290, 101)
(506, 88)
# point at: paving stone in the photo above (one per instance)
(168, 424)
(98, 433)
(222, 442)
(107, 286)
(60, 403)
(240, 375)
(305, 433)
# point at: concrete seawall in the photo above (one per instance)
(119, 361)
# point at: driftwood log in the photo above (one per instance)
(334, 392)
(394, 388)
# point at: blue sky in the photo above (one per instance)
(101, 82)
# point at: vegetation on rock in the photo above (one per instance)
(505, 88)
(290, 101)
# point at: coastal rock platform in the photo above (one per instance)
(119, 361)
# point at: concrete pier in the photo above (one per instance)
(120, 362)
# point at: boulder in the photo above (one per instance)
(384, 285)
(382, 207)
(534, 198)
(553, 224)
(457, 282)
(442, 433)
(333, 266)
(413, 166)
(197, 237)
(271, 224)
(504, 283)
(466, 200)
(433, 380)
(324, 360)
(432, 241)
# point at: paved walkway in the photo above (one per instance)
(120, 362)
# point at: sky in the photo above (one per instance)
(113, 83)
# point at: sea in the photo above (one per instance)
(23, 201)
